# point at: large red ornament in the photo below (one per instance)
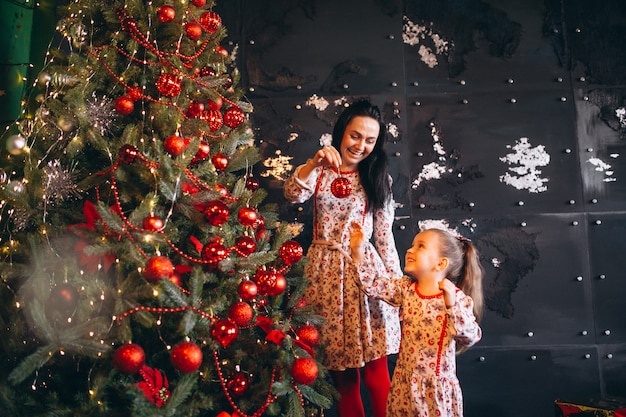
(280, 284)
(220, 161)
(214, 118)
(124, 105)
(290, 252)
(234, 117)
(216, 212)
(245, 246)
(127, 154)
(210, 21)
(225, 332)
(247, 216)
(304, 371)
(134, 93)
(222, 51)
(129, 358)
(252, 184)
(64, 297)
(175, 145)
(241, 313)
(158, 267)
(238, 383)
(203, 152)
(207, 72)
(248, 289)
(215, 104)
(186, 357)
(341, 187)
(270, 282)
(195, 109)
(214, 252)
(153, 223)
(193, 30)
(166, 13)
(308, 334)
(198, 3)
(169, 85)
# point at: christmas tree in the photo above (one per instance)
(142, 273)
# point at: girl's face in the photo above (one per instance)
(423, 257)
(358, 141)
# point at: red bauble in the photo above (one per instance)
(198, 3)
(304, 371)
(238, 383)
(223, 414)
(247, 289)
(193, 30)
(222, 51)
(290, 252)
(270, 282)
(225, 332)
(245, 246)
(175, 145)
(252, 184)
(221, 188)
(153, 223)
(215, 104)
(166, 13)
(280, 284)
(216, 213)
(214, 252)
(158, 267)
(169, 85)
(127, 154)
(214, 118)
(129, 358)
(241, 313)
(210, 21)
(247, 216)
(134, 93)
(195, 109)
(176, 279)
(124, 105)
(341, 187)
(203, 152)
(234, 117)
(207, 72)
(220, 161)
(186, 357)
(64, 297)
(308, 334)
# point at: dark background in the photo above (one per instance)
(548, 74)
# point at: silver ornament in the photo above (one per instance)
(16, 144)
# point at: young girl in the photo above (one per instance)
(359, 331)
(439, 320)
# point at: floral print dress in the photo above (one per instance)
(358, 329)
(424, 381)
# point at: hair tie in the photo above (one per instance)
(463, 239)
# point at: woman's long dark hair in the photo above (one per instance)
(373, 170)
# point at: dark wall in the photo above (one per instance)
(512, 132)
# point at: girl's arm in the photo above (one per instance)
(461, 315)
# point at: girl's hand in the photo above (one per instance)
(327, 156)
(357, 242)
(449, 292)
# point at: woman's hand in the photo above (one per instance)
(357, 242)
(449, 292)
(328, 157)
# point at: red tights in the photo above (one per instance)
(348, 383)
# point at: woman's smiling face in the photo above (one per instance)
(358, 141)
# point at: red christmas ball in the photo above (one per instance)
(247, 289)
(308, 334)
(238, 383)
(220, 161)
(216, 213)
(176, 279)
(234, 117)
(221, 188)
(267, 282)
(245, 246)
(186, 357)
(166, 13)
(252, 184)
(175, 145)
(195, 109)
(127, 154)
(280, 284)
(224, 331)
(304, 371)
(203, 152)
(222, 51)
(223, 414)
(129, 358)
(215, 104)
(198, 3)
(193, 30)
(207, 72)
(210, 21)
(158, 267)
(153, 223)
(241, 313)
(290, 252)
(64, 297)
(214, 118)
(247, 216)
(214, 252)
(169, 85)
(341, 187)
(124, 105)
(228, 83)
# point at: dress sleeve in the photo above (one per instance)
(461, 315)
(384, 241)
(297, 191)
(390, 290)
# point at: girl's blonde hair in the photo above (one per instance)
(464, 268)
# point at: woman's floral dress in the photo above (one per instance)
(358, 329)
(424, 381)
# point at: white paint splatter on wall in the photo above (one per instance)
(601, 166)
(621, 115)
(293, 136)
(414, 34)
(524, 172)
(435, 169)
(320, 103)
(326, 139)
(279, 167)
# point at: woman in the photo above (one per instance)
(360, 332)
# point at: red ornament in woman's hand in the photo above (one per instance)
(341, 187)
